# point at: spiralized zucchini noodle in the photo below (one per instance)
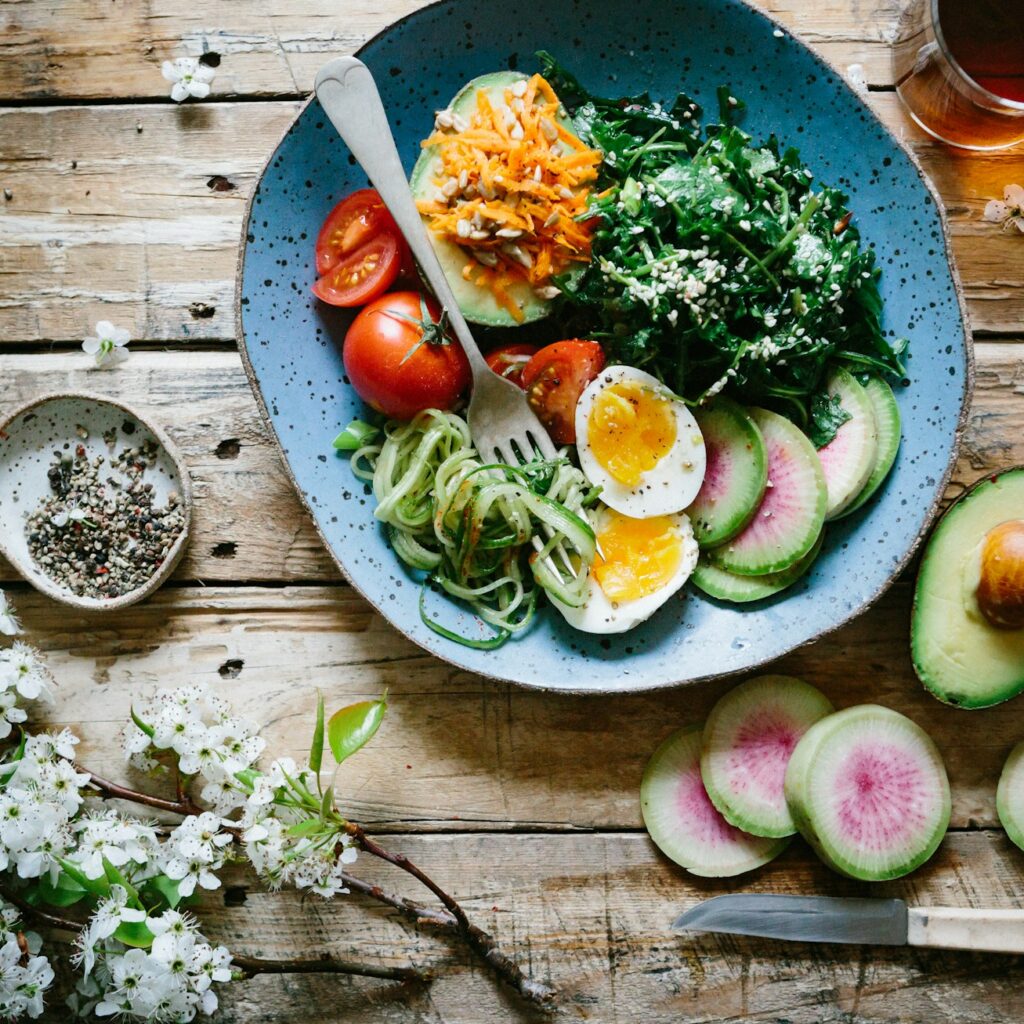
(493, 535)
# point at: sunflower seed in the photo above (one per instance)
(488, 259)
(508, 233)
(517, 254)
(548, 127)
(517, 132)
(565, 193)
(479, 236)
(547, 292)
(450, 187)
(553, 219)
(538, 173)
(519, 88)
(463, 179)
(463, 228)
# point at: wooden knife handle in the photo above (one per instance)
(994, 931)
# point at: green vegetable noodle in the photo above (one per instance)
(492, 535)
(716, 266)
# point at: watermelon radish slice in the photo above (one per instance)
(791, 514)
(727, 586)
(735, 475)
(747, 742)
(868, 789)
(683, 822)
(1010, 796)
(887, 420)
(849, 457)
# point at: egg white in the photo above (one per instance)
(598, 614)
(668, 487)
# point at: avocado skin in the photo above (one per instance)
(991, 662)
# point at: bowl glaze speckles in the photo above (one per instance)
(28, 438)
(292, 344)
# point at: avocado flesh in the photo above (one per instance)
(958, 655)
(477, 303)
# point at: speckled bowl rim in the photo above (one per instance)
(639, 686)
(93, 604)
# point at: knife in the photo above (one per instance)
(856, 920)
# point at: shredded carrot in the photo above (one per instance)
(516, 169)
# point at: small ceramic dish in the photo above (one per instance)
(28, 438)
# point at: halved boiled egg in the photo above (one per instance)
(640, 443)
(640, 564)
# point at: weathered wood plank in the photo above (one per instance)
(248, 523)
(112, 215)
(592, 912)
(75, 49)
(457, 749)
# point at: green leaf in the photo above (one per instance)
(327, 802)
(357, 434)
(134, 933)
(147, 729)
(305, 827)
(248, 776)
(96, 886)
(116, 877)
(161, 891)
(316, 751)
(65, 893)
(827, 416)
(354, 726)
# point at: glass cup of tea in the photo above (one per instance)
(959, 70)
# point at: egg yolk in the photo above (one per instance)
(636, 557)
(630, 429)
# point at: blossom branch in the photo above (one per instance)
(39, 915)
(483, 942)
(183, 805)
(251, 966)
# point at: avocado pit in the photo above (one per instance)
(1000, 589)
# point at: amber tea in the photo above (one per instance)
(960, 70)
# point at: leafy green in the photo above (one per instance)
(354, 726)
(826, 417)
(316, 750)
(715, 264)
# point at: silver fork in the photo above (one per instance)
(501, 421)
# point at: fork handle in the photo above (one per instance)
(348, 94)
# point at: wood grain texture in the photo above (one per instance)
(119, 212)
(83, 49)
(248, 523)
(458, 751)
(592, 913)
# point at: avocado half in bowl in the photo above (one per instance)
(967, 630)
(478, 304)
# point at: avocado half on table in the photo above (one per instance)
(967, 629)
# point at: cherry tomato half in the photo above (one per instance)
(362, 275)
(400, 361)
(555, 378)
(350, 225)
(510, 360)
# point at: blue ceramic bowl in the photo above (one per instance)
(292, 344)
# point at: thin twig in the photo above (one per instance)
(184, 806)
(483, 942)
(250, 966)
(409, 908)
(39, 915)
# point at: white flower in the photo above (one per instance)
(9, 624)
(195, 851)
(108, 346)
(1009, 211)
(108, 836)
(106, 919)
(190, 78)
(23, 668)
(23, 980)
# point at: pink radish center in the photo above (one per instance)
(718, 473)
(698, 814)
(881, 797)
(760, 753)
(780, 506)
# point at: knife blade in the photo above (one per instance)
(800, 918)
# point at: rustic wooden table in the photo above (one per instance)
(119, 205)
